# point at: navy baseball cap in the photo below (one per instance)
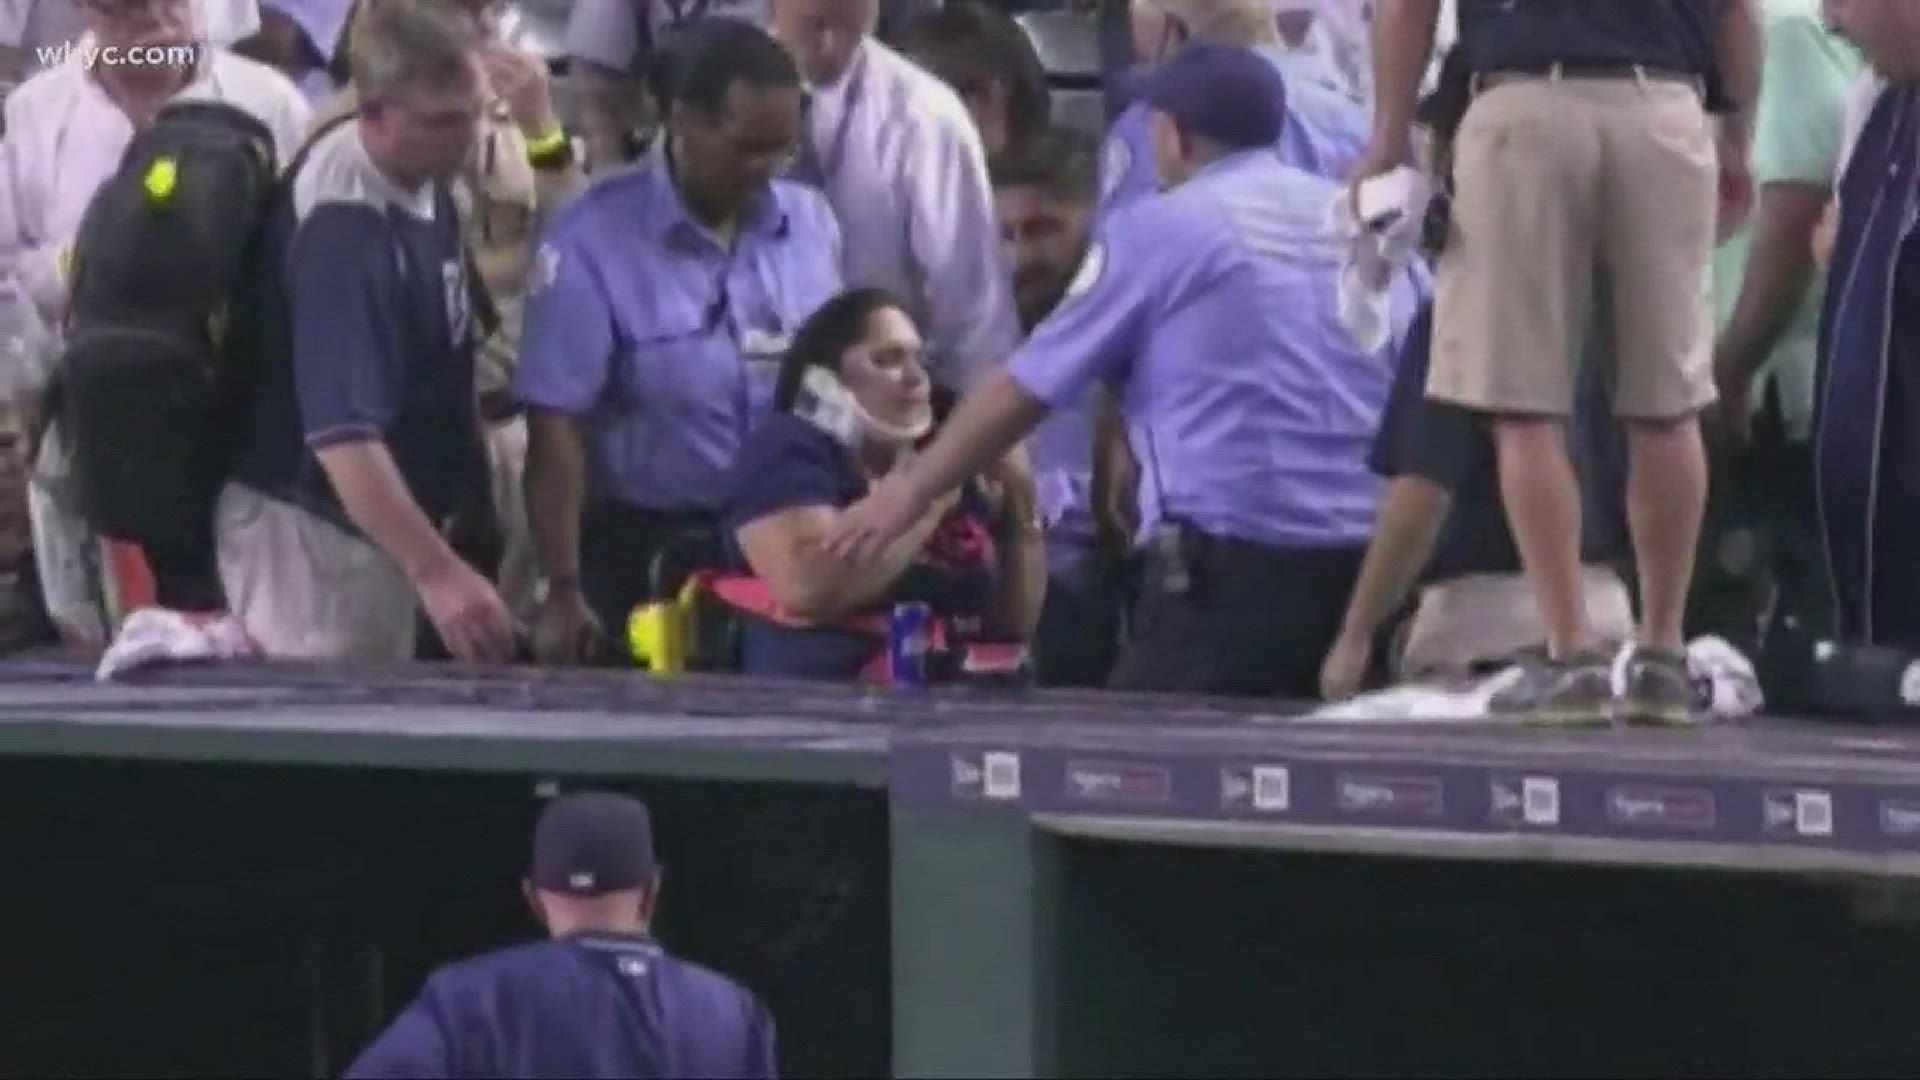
(1229, 94)
(592, 843)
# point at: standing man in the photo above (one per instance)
(1867, 420)
(1588, 143)
(600, 999)
(66, 129)
(1768, 290)
(1210, 312)
(897, 155)
(364, 449)
(988, 59)
(1081, 471)
(662, 301)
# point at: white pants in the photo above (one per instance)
(1478, 618)
(307, 589)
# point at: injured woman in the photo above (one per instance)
(852, 401)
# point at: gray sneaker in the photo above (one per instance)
(1659, 690)
(1575, 692)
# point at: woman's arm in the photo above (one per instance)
(787, 550)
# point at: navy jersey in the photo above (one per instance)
(1505, 34)
(787, 463)
(576, 1008)
(382, 340)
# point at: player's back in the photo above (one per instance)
(585, 1006)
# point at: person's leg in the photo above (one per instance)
(1658, 240)
(1515, 298)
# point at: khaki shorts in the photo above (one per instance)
(1557, 179)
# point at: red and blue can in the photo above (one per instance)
(909, 643)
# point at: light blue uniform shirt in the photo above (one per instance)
(1212, 308)
(643, 324)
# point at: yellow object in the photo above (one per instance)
(163, 173)
(550, 143)
(660, 635)
(63, 260)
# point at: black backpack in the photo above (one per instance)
(148, 389)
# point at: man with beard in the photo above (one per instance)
(1083, 475)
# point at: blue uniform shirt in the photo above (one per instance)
(1249, 407)
(664, 343)
(579, 1008)
(382, 337)
(1325, 132)
(789, 463)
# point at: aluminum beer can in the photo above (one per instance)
(909, 643)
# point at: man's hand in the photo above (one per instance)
(1384, 154)
(1733, 413)
(1345, 668)
(469, 615)
(565, 629)
(867, 528)
(519, 79)
(1010, 487)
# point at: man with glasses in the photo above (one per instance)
(66, 128)
(661, 302)
(364, 449)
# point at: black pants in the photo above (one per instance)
(1078, 639)
(1254, 620)
(631, 555)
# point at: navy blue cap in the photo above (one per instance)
(592, 843)
(1229, 94)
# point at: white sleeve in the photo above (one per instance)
(35, 259)
(953, 251)
(228, 21)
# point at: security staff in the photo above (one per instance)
(1325, 130)
(661, 301)
(600, 998)
(1210, 311)
(1588, 143)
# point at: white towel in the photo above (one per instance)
(1395, 208)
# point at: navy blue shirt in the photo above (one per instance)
(787, 463)
(382, 337)
(578, 1008)
(1452, 447)
(1498, 35)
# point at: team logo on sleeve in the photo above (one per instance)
(453, 276)
(546, 268)
(1115, 160)
(1092, 267)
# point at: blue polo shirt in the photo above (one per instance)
(788, 463)
(1504, 34)
(577, 1008)
(381, 342)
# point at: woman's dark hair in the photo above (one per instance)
(967, 43)
(833, 328)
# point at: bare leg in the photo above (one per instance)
(1542, 499)
(1666, 499)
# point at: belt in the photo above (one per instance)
(1583, 69)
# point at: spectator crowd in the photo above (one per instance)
(1326, 365)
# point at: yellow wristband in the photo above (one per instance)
(63, 260)
(547, 145)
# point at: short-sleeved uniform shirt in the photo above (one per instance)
(788, 463)
(1798, 132)
(383, 337)
(1451, 447)
(585, 1007)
